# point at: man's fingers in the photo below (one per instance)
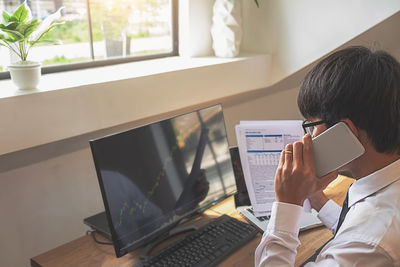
(298, 154)
(288, 156)
(281, 160)
(307, 151)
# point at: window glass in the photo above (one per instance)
(119, 29)
(130, 27)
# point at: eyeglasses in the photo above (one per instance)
(309, 126)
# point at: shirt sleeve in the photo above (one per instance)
(329, 214)
(280, 241)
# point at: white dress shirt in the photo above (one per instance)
(369, 235)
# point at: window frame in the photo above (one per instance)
(113, 61)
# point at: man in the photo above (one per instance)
(361, 88)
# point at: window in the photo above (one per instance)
(100, 32)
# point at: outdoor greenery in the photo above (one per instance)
(139, 35)
(19, 32)
(77, 32)
(74, 32)
(109, 20)
(110, 17)
(63, 59)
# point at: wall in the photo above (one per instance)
(195, 19)
(296, 33)
(46, 191)
(77, 102)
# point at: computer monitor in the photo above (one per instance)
(154, 175)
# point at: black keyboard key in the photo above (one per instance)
(206, 246)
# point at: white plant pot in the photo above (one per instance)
(25, 74)
(226, 29)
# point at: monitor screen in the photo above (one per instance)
(154, 175)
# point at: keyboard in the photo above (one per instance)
(206, 246)
(261, 218)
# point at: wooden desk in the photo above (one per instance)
(85, 252)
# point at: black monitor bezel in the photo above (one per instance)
(157, 233)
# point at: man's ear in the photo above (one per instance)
(352, 127)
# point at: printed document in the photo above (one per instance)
(260, 144)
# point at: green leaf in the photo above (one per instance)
(6, 16)
(22, 13)
(9, 25)
(14, 36)
(27, 29)
(256, 1)
(46, 25)
(5, 38)
(13, 19)
(44, 32)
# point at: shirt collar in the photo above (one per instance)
(374, 182)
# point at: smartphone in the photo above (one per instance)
(334, 148)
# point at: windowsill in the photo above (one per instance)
(76, 102)
(98, 75)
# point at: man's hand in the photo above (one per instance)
(318, 200)
(295, 178)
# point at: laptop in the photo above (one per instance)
(98, 222)
(243, 205)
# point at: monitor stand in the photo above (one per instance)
(175, 231)
(99, 223)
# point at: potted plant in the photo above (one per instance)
(19, 32)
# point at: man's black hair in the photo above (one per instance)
(358, 84)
